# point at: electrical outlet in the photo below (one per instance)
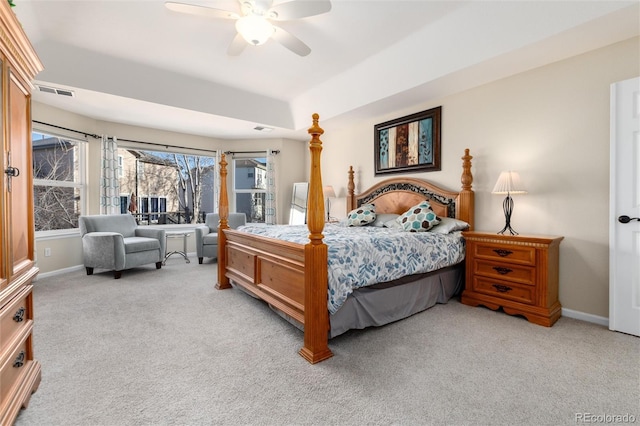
(47, 252)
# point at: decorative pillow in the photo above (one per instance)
(363, 215)
(449, 224)
(419, 218)
(383, 218)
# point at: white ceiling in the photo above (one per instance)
(136, 62)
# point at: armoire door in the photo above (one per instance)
(21, 191)
(4, 212)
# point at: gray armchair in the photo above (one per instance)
(207, 234)
(116, 242)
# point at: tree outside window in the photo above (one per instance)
(58, 182)
(168, 187)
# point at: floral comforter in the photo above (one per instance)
(362, 256)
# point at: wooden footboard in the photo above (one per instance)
(270, 269)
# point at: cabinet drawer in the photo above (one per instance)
(506, 253)
(506, 271)
(13, 317)
(504, 290)
(13, 369)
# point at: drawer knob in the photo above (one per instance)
(503, 252)
(502, 270)
(502, 288)
(19, 315)
(19, 361)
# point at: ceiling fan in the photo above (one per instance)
(254, 21)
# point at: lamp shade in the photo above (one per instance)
(329, 192)
(254, 29)
(509, 183)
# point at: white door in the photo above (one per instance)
(624, 232)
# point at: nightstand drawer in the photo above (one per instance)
(505, 252)
(506, 271)
(504, 290)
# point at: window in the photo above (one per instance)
(250, 187)
(58, 172)
(120, 159)
(169, 187)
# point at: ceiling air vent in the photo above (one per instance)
(263, 128)
(53, 90)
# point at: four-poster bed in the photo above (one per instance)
(293, 277)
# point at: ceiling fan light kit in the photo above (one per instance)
(254, 29)
(253, 22)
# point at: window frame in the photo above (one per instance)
(81, 185)
(251, 191)
(163, 200)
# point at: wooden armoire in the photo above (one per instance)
(19, 371)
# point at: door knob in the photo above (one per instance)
(627, 219)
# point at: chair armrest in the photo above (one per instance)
(103, 250)
(201, 231)
(156, 233)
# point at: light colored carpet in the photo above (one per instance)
(163, 347)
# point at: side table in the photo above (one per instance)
(518, 273)
(177, 234)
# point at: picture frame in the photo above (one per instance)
(408, 144)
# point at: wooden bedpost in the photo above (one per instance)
(351, 189)
(316, 313)
(223, 211)
(466, 194)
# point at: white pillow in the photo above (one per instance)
(382, 219)
(394, 224)
(449, 224)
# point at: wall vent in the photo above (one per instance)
(55, 91)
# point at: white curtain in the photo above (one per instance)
(216, 191)
(270, 197)
(109, 183)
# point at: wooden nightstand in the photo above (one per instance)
(518, 273)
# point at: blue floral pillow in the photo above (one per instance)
(363, 215)
(419, 218)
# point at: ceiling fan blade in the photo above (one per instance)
(291, 42)
(237, 45)
(193, 9)
(298, 9)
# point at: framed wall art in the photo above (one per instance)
(409, 144)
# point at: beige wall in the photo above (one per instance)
(551, 124)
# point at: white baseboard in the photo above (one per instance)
(59, 272)
(570, 313)
(191, 255)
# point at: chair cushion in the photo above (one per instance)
(137, 244)
(210, 239)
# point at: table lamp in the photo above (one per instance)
(508, 183)
(328, 193)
